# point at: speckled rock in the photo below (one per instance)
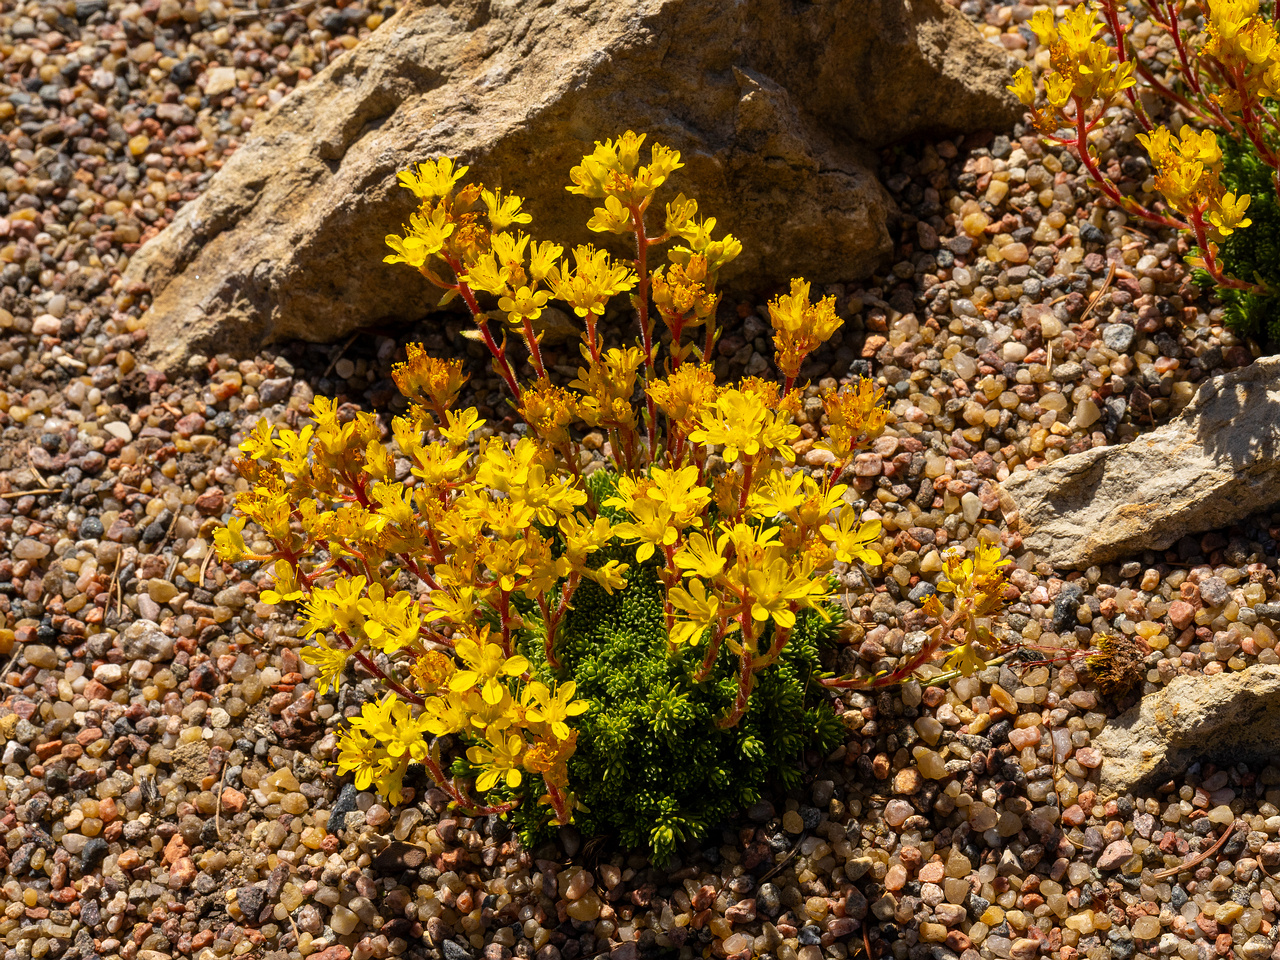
(1225, 718)
(1215, 464)
(287, 241)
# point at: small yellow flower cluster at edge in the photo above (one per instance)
(1086, 75)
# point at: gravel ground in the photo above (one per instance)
(164, 786)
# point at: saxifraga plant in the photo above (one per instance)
(635, 647)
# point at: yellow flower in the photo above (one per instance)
(700, 557)
(458, 427)
(511, 249)
(286, 587)
(554, 709)
(503, 211)
(446, 715)
(743, 424)
(424, 237)
(431, 669)
(432, 178)
(487, 274)
(613, 217)
(360, 754)
(609, 384)
(1229, 214)
(697, 235)
(392, 724)
(542, 260)
(978, 580)
(1022, 86)
(776, 587)
(329, 661)
(583, 537)
(800, 326)
(700, 607)
(779, 494)
(1080, 67)
(965, 660)
(661, 506)
(590, 178)
(498, 761)
(427, 379)
(1188, 171)
(594, 280)
(683, 395)
(609, 575)
(548, 757)
(485, 665)
(854, 417)
(258, 444)
(651, 525)
(681, 293)
(229, 541)
(852, 539)
(524, 304)
(549, 410)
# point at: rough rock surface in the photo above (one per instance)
(1213, 465)
(773, 104)
(1226, 718)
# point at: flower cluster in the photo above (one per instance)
(1226, 75)
(1188, 174)
(1084, 70)
(445, 560)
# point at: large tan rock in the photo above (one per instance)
(774, 104)
(1226, 718)
(1216, 463)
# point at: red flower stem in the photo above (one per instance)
(902, 673)
(1193, 79)
(1104, 183)
(713, 651)
(675, 323)
(461, 797)
(504, 614)
(1211, 265)
(749, 466)
(780, 637)
(499, 358)
(557, 801)
(745, 678)
(642, 310)
(566, 594)
(412, 566)
(1169, 94)
(593, 339)
(535, 351)
(377, 671)
(1121, 48)
(1251, 124)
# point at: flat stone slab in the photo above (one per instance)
(1215, 464)
(1229, 717)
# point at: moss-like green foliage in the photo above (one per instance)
(652, 767)
(1252, 253)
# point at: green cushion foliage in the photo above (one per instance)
(652, 767)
